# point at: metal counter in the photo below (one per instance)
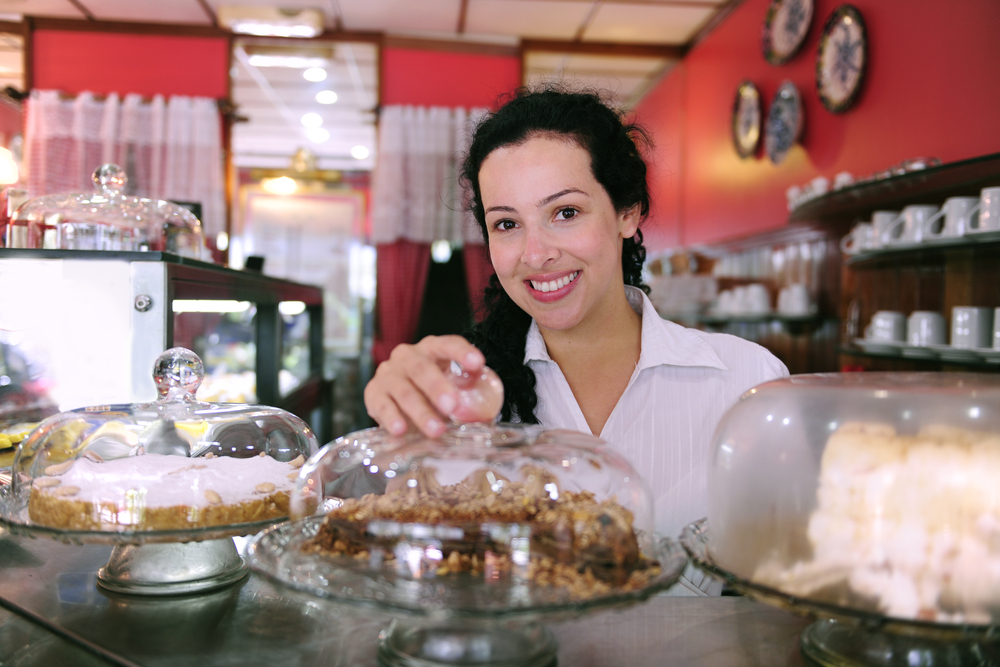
(254, 623)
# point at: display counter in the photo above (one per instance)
(253, 623)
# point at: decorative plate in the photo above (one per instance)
(784, 122)
(842, 59)
(747, 119)
(785, 28)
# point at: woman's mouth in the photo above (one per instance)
(553, 285)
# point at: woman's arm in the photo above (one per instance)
(412, 385)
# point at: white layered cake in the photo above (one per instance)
(157, 492)
(910, 524)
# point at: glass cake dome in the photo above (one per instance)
(106, 219)
(488, 523)
(869, 498)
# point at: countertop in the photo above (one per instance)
(254, 623)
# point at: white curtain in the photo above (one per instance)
(416, 195)
(170, 149)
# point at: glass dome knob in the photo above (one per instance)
(480, 395)
(110, 179)
(178, 373)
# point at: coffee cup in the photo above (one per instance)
(880, 224)
(794, 300)
(953, 219)
(925, 327)
(971, 326)
(988, 219)
(886, 325)
(758, 301)
(996, 329)
(908, 227)
(861, 238)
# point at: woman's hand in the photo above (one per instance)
(412, 385)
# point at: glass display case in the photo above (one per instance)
(64, 313)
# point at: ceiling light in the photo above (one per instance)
(312, 119)
(326, 97)
(314, 74)
(298, 62)
(360, 152)
(317, 135)
(279, 186)
(272, 21)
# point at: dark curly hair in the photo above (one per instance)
(617, 164)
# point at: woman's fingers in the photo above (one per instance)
(413, 386)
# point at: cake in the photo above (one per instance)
(573, 540)
(160, 492)
(908, 524)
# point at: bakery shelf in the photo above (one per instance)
(931, 186)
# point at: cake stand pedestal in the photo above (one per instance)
(415, 643)
(172, 568)
(834, 644)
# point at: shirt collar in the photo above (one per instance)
(663, 343)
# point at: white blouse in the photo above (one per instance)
(664, 421)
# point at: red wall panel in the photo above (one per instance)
(448, 79)
(103, 63)
(930, 91)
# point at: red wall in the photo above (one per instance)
(438, 78)
(102, 63)
(931, 90)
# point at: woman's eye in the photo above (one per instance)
(504, 225)
(566, 213)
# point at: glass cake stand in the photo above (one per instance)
(172, 561)
(464, 621)
(850, 636)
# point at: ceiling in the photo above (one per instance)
(620, 46)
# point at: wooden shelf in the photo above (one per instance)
(926, 186)
(927, 363)
(925, 252)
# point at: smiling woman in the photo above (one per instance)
(559, 191)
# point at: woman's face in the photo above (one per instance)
(555, 237)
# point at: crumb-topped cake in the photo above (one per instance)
(573, 540)
(909, 524)
(158, 492)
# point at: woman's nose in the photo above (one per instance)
(539, 248)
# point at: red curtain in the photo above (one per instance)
(401, 268)
(478, 269)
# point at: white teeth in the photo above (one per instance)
(553, 285)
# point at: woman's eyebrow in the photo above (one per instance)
(552, 198)
(505, 209)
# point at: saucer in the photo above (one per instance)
(878, 346)
(919, 352)
(949, 353)
(990, 235)
(944, 240)
(989, 354)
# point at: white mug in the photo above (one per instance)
(794, 300)
(880, 223)
(955, 217)
(909, 226)
(971, 326)
(758, 301)
(925, 327)
(989, 212)
(996, 329)
(861, 238)
(886, 325)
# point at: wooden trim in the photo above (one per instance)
(604, 48)
(209, 13)
(339, 36)
(28, 52)
(12, 26)
(173, 29)
(713, 22)
(463, 12)
(481, 48)
(83, 10)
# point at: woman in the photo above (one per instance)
(559, 190)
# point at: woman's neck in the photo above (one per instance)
(598, 357)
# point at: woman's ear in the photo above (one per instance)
(628, 222)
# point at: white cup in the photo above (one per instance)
(971, 326)
(925, 327)
(989, 212)
(955, 218)
(887, 325)
(909, 226)
(758, 301)
(880, 223)
(861, 238)
(996, 329)
(794, 300)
